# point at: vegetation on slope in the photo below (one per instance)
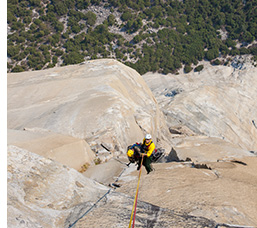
(148, 35)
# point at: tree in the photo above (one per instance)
(90, 18)
(34, 2)
(10, 17)
(73, 58)
(187, 68)
(75, 28)
(12, 50)
(60, 7)
(82, 4)
(58, 26)
(212, 54)
(198, 68)
(216, 62)
(126, 16)
(17, 68)
(111, 20)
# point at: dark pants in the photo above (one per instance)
(146, 163)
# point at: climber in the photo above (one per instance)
(133, 152)
(147, 148)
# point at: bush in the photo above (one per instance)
(12, 50)
(198, 68)
(75, 28)
(111, 20)
(216, 62)
(84, 167)
(212, 54)
(90, 18)
(97, 161)
(73, 58)
(126, 16)
(187, 68)
(17, 69)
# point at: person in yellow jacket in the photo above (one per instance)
(147, 148)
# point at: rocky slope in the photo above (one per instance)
(43, 193)
(219, 101)
(221, 191)
(64, 118)
(102, 102)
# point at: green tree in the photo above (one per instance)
(82, 4)
(73, 58)
(212, 54)
(90, 18)
(198, 68)
(12, 50)
(75, 28)
(187, 68)
(60, 7)
(10, 17)
(216, 62)
(17, 68)
(58, 26)
(126, 16)
(111, 20)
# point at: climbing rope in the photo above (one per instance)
(94, 205)
(135, 200)
(71, 225)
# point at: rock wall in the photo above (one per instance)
(219, 101)
(42, 192)
(70, 151)
(103, 102)
(70, 114)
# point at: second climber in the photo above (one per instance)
(147, 148)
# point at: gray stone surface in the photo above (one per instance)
(42, 192)
(219, 101)
(70, 114)
(103, 102)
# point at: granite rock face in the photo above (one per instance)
(219, 101)
(61, 119)
(65, 149)
(222, 191)
(116, 211)
(103, 102)
(43, 193)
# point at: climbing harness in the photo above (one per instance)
(133, 212)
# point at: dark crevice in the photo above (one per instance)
(200, 166)
(239, 162)
(172, 156)
(174, 131)
(105, 147)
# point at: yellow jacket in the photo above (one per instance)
(148, 148)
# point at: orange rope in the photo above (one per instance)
(135, 200)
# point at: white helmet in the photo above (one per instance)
(148, 136)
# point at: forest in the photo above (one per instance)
(153, 35)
